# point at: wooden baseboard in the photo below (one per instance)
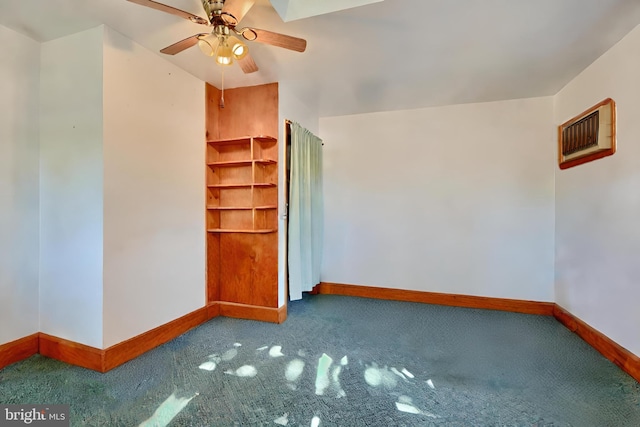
(503, 304)
(71, 352)
(104, 360)
(251, 312)
(122, 352)
(18, 350)
(623, 358)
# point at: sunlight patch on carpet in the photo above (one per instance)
(246, 371)
(229, 354)
(322, 374)
(167, 411)
(407, 373)
(208, 366)
(294, 370)
(375, 377)
(405, 404)
(283, 420)
(276, 351)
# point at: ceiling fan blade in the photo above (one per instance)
(247, 64)
(274, 39)
(182, 44)
(234, 10)
(172, 10)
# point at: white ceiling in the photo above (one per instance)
(389, 55)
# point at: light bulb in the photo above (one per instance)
(224, 55)
(238, 48)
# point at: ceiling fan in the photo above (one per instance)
(223, 16)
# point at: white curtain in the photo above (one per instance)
(305, 211)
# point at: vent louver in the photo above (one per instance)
(588, 136)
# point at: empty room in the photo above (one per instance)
(303, 213)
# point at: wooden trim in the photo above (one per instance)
(251, 312)
(122, 352)
(71, 352)
(104, 360)
(517, 306)
(17, 350)
(623, 358)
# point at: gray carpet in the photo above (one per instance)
(391, 364)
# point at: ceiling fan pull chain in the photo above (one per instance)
(222, 85)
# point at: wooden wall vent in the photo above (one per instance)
(588, 136)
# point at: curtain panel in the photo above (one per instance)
(305, 212)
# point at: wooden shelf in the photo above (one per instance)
(239, 208)
(230, 208)
(242, 140)
(265, 161)
(228, 230)
(232, 163)
(248, 185)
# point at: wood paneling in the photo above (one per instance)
(627, 361)
(213, 267)
(18, 350)
(249, 269)
(249, 110)
(72, 352)
(122, 352)
(252, 312)
(518, 306)
(212, 99)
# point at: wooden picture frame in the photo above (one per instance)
(588, 136)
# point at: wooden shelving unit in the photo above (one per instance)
(242, 176)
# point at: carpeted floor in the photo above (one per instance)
(342, 361)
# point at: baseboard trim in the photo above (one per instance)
(468, 301)
(251, 312)
(100, 360)
(17, 350)
(71, 352)
(623, 358)
(124, 351)
(104, 360)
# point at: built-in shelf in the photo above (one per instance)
(241, 185)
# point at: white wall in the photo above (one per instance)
(598, 204)
(457, 199)
(154, 240)
(19, 228)
(71, 187)
(290, 107)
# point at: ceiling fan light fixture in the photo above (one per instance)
(238, 48)
(208, 44)
(224, 54)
